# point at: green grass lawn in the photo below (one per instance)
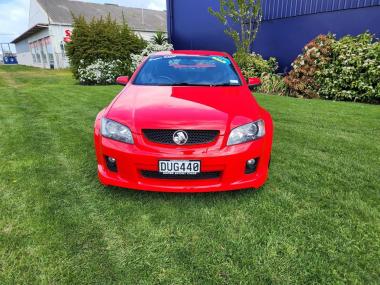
(317, 220)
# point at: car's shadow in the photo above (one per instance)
(138, 194)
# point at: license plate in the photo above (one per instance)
(179, 167)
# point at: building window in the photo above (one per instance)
(41, 43)
(38, 52)
(33, 52)
(38, 58)
(42, 51)
(49, 49)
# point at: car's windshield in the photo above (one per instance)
(188, 70)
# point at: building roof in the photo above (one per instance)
(60, 12)
(30, 32)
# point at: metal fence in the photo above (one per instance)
(277, 9)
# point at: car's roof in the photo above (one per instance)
(191, 52)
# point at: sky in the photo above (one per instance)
(14, 14)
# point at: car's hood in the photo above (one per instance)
(207, 108)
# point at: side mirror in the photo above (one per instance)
(254, 82)
(122, 80)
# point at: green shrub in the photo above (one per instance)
(102, 39)
(159, 38)
(301, 80)
(347, 69)
(354, 72)
(273, 84)
(253, 65)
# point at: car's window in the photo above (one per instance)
(183, 70)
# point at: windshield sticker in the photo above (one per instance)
(178, 64)
(233, 81)
(198, 65)
(221, 59)
(154, 58)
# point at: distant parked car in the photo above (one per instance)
(185, 122)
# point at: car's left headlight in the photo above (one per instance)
(246, 133)
(116, 131)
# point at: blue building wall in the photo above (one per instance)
(287, 24)
(279, 9)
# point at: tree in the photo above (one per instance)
(245, 16)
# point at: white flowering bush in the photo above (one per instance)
(99, 72)
(137, 59)
(354, 72)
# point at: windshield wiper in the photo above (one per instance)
(180, 84)
(196, 84)
(224, 84)
(188, 84)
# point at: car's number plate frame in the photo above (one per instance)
(179, 167)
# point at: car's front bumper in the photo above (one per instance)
(230, 162)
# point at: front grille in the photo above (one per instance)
(194, 136)
(199, 176)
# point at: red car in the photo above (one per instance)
(186, 121)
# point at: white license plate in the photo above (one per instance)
(179, 167)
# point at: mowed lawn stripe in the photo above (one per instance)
(52, 215)
(315, 221)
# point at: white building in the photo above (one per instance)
(42, 44)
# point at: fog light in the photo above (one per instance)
(111, 163)
(251, 166)
(111, 159)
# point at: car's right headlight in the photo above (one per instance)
(246, 133)
(116, 131)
